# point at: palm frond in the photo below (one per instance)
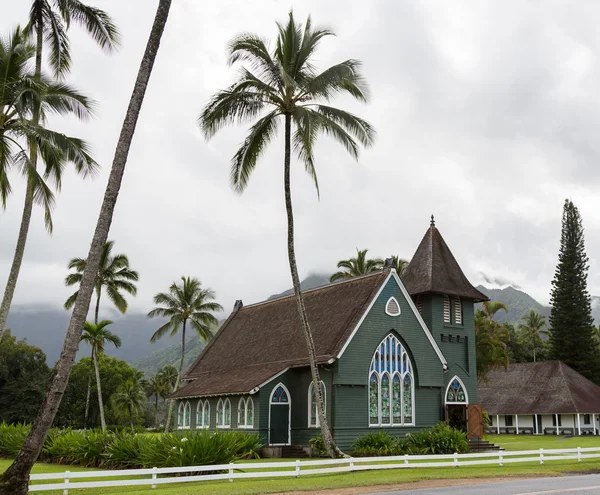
(116, 298)
(307, 131)
(344, 77)
(161, 332)
(252, 49)
(359, 128)
(96, 22)
(71, 301)
(56, 36)
(245, 159)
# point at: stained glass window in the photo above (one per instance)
(407, 402)
(180, 415)
(245, 413)
(206, 414)
(374, 399)
(456, 392)
(313, 420)
(242, 413)
(250, 413)
(220, 415)
(391, 385)
(397, 400)
(227, 413)
(279, 395)
(187, 411)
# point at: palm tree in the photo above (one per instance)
(155, 389)
(183, 303)
(401, 265)
(97, 335)
(355, 267)
(129, 400)
(532, 327)
(114, 275)
(27, 98)
(490, 308)
(15, 479)
(49, 21)
(597, 335)
(284, 83)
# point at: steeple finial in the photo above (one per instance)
(432, 223)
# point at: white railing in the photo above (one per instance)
(296, 468)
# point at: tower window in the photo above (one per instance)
(419, 304)
(447, 309)
(458, 311)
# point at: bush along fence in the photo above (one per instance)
(159, 476)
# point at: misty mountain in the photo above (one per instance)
(313, 280)
(46, 328)
(153, 362)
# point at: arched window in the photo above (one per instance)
(447, 309)
(223, 413)
(313, 416)
(180, 415)
(246, 413)
(279, 396)
(203, 414)
(457, 311)
(392, 308)
(456, 392)
(391, 385)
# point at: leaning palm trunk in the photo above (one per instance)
(16, 478)
(100, 402)
(15, 268)
(328, 441)
(171, 403)
(88, 396)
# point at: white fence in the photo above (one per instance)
(156, 476)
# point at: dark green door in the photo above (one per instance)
(280, 424)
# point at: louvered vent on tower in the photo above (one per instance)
(447, 309)
(419, 304)
(392, 307)
(457, 310)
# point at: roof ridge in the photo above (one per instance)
(313, 289)
(566, 385)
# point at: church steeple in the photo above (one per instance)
(433, 269)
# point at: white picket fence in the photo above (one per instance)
(156, 476)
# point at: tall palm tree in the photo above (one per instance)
(355, 267)
(183, 303)
(26, 99)
(285, 84)
(128, 401)
(114, 275)
(532, 326)
(401, 265)
(49, 21)
(97, 335)
(15, 479)
(155, 389)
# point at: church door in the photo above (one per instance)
(279, 416)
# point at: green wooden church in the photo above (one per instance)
(393, 354)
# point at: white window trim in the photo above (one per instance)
(180, 416)
(389, 313)
(289, 404)
(186, 406)
(391, 375)
(466, 403)
(310, 389)
(200, 414)
(245, 401)
(224, 404)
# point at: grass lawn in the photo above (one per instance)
(368, 478)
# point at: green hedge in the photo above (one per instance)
(439, 439)
(121, 449)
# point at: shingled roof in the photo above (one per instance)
(549, 387)
(433, 268)
(259, 341)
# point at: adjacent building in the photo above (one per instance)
(540, 398)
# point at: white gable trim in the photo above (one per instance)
(432, 341)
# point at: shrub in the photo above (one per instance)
(376, 444)
(439, 439)
(120, 450)
(318, 447)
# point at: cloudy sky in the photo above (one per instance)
(487, 116)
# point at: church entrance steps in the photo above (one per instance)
(480, 445)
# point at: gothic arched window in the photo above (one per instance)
(391, 385)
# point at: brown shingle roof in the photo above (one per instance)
(549, 387)
(433, 268)
(261, 340)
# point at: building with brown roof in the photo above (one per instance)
(391, 355)
(547, 397)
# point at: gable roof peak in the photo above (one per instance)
(433, 268)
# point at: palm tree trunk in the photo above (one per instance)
(89, 392)
(15, 479)
(330, 445)
(98, 290)
(13, 275)
(171, 403)
(99, 388)
(156, 410)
